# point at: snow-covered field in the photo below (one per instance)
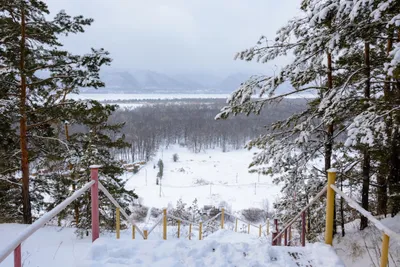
(211, 177)
(115, 97)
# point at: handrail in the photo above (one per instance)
(299, 214)
(367, 214)
(116, 204)
(182, 220)
(213, 218)
(154, 226)
(239, 219)
(27, 232)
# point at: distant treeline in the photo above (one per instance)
(193, 125)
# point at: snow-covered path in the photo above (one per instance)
(55, 246)
(223, 248)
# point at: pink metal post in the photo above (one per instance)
(303, 229)
(17, 256)
(285, 237)
(274, 241)
(94, 174)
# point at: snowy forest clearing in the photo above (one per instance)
(212, 177)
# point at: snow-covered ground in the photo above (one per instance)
(210, 176)
(54, 246)
(363, 248)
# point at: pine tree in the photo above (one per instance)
(33, 66)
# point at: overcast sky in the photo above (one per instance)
(177, 36)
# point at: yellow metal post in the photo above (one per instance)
(145, 234)
(190, 231)
(259, 231)
(165, 224)
(222, 218)
(385, 250)
(330, 203)
(133, 231)
(236, 225)
(248, 230)
(179, 228)
(267, 226)
(118, 224)
(200, 230)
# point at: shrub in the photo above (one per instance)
(253, 215)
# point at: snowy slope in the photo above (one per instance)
(224, 248)
(362, 248)
(48, 247)
(211, 176)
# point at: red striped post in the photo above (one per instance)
(17, 256)
(94, 174)
(303, 229)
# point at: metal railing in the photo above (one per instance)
(15, 245)
(330, 190)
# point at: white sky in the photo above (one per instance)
(174, 36)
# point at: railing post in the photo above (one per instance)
(94, 192)
(118, 222)
(165, 224)
(303, 229)
(190, 231)
(385, 250)
(268, 226)
(200, 230)
(285, 241)
(179, 228)
(17, 256)
(290, 235)
(248, 230)
(274, 241)
(133, 231)
(222, 217)
(330, 204)
(236, 225)
(259, 231)
(145, 233)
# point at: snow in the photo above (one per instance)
(56, 246)
(114, 97)
(211, 176)
(223, 248)
(362, 248)
(48, 247)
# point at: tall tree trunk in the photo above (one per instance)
(366, 166)
(26, 202)
(384, 169)
(70, 167)
(329, 132)
(394, 173)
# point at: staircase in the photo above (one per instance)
(222, 248)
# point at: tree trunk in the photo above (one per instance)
(26, 202)
(366, 167)
(329, 133)
(70, 167)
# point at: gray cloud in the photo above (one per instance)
(177, 35)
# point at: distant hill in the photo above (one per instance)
(147, 81)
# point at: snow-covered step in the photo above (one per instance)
(223, 248)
